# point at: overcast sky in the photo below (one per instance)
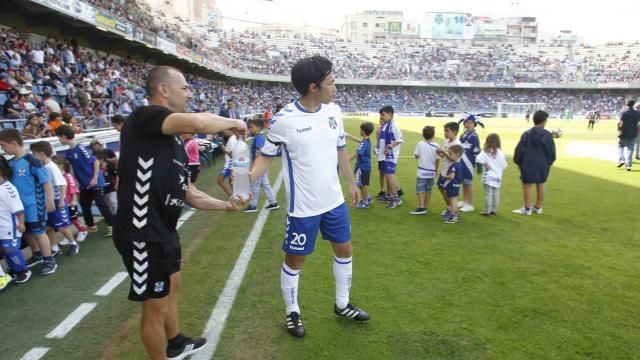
(599, 22)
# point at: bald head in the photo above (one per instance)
(159, 75)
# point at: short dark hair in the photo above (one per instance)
(386, 109)
(631, 102)
(157, 75)
(428, 132)
(230, 100)
(11, 135)
(117, 119)
(258, 123)
(65, 131)
(540, 116)
(367, 127)
(453, 126)
(456, 149)
(5, 169)
(66, 117)
(310, 70)
(42, 147)
(54, 115)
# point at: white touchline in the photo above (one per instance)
(72, 320)
(112, 284)
(35, 353)
(220, 312)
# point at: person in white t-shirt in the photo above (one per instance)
(310, 135)
(494, 163)
(428, 161)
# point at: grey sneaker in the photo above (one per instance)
(49, 267)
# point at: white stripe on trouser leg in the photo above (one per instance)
(342, 273)
(140, 267)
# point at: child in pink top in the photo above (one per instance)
(191, 146)
(71, 195)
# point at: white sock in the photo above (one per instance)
(72, 242)
(289, 285)
(55, 247)
(2, 274)
(342, 270)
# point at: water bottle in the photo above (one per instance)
(241, 164)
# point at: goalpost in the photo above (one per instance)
(512, 109)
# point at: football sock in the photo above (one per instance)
(289, 285)
(13, 256)
(55, 248)
(342, 270)
(78, 225)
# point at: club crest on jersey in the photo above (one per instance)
(332, 122)
(158, 287)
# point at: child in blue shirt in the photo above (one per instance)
(256, 127)
(449, 183)
(11, 227)
(471, 144)
(32, 181)
(91, 180)
(362, 171)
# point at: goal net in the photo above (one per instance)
(510, 109)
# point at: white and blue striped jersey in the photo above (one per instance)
(471, 145)
(426, 152)
(309, 142)
(389, 132)
(10, 206)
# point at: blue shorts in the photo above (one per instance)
(301, 233)
(225, 172)
(389, 167)
(35, 227)
(452, 188)
(58, 219)
(424, 185)
(362, 177)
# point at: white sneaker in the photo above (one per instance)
(466, 208)
(461, 204)
(522, 211)
(64, 242)
(81, 236)
(535, 210)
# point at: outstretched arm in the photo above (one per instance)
(200, 123)
(202, 201)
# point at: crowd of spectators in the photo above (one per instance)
(418, 59)
(40, 76)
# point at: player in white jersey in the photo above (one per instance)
(310, 134)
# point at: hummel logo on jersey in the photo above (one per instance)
(332, 122)
(22, 172)
(304, 129)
